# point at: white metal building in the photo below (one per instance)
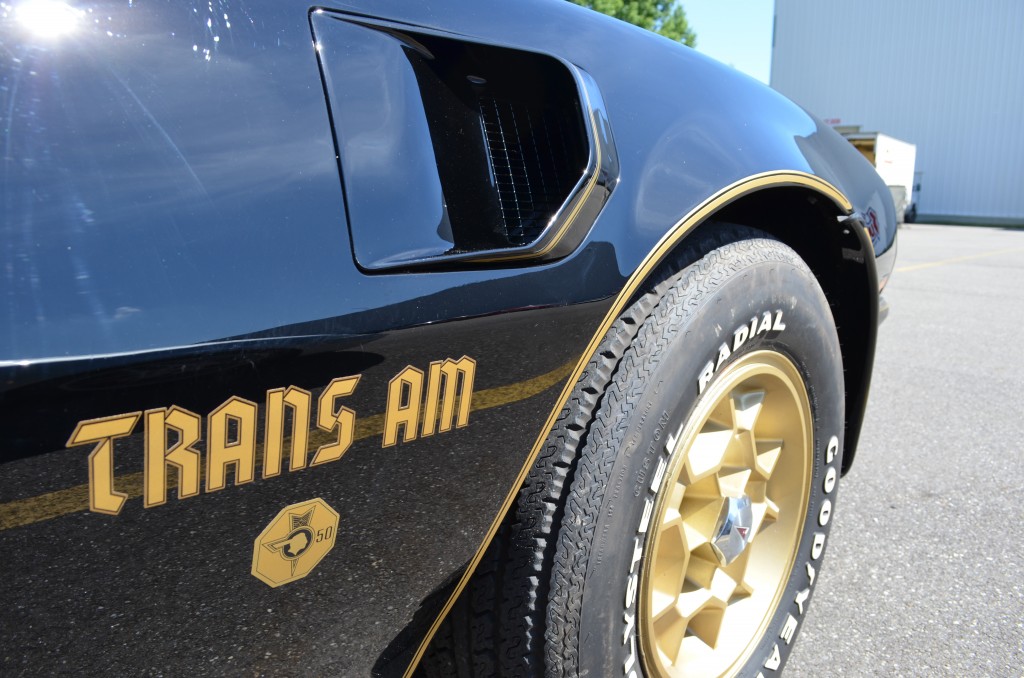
(946, 75)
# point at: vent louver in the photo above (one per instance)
(530, 163)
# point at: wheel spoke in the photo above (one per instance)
(768, 453)
(707, 624)
(690, 603)
(747, 407)
(701, 568)
(705, 455)
(765, 514)
(732, 481)
(671, 629)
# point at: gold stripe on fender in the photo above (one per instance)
(728, 194)
(182, 457)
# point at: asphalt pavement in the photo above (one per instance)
(924, 574)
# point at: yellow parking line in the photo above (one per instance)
(51, 505)
(943, 262)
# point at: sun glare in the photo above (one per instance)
(48, 19)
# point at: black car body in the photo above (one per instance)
(215, 210)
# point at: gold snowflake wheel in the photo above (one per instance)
(728, 520)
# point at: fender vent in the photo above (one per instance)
(454, 152)
(530, 163)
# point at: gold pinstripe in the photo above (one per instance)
(728, 194)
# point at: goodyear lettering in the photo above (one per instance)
(418, 405)
(774, 658)
(788, 629)
(802, 597)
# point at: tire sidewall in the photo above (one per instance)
(799, 326)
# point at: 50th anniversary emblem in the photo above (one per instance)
(294, 542)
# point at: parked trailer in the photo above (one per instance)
(893, 160)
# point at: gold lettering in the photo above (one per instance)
(328, 418)
(405, 391)
(182, 456)
(300, 402)
(222, 450)
(457, 377)
(103, 498)
(172, 434)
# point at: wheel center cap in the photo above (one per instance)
(734, 530)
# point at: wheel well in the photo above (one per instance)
(841, 260)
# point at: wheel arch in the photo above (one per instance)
(821, 230)
(837, 249)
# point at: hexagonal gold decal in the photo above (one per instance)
(294, 542)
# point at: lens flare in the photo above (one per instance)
(48, 19)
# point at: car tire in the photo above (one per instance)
(643, 486)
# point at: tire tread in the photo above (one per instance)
(502, 623)
(689, 290)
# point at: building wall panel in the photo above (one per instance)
(946, 75)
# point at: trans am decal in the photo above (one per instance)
(69, 500)
(418, 404)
